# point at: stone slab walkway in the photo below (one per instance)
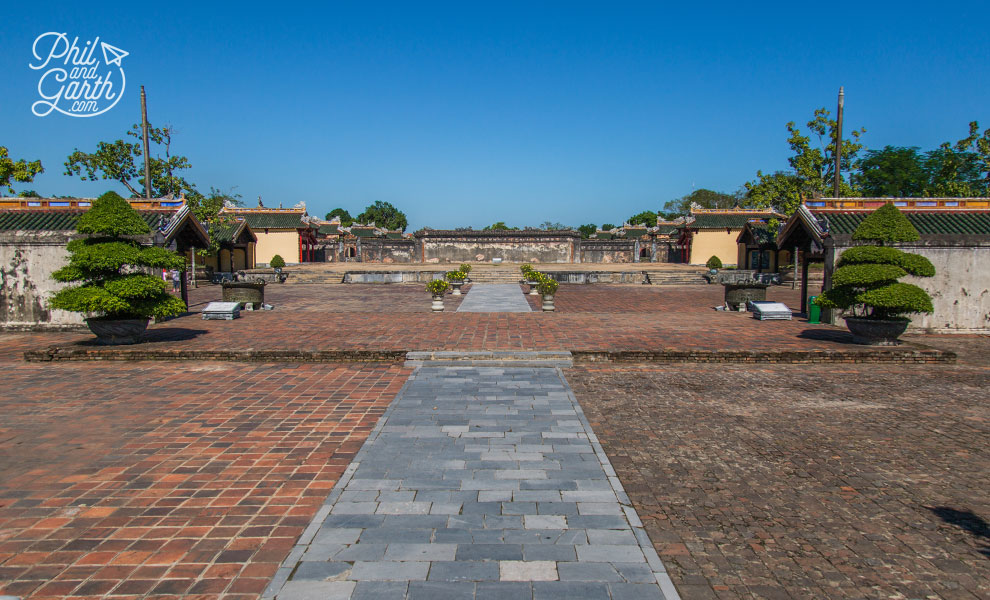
(494, 297)
(478, 482)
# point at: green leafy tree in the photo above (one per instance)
(714, 262)
(647, 218)
(277, 262)
(894, 171)
(29, 194)
(108, 266)
(209, 210)
(345, 217)
(500, 226)
(812, 167)
(384, 215)
(607, 227)
(865, 281)
(17, 170)
(961, 169)
(704, 198)
(553, 226)
(121, 161)
(588, 230)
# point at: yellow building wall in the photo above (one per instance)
(715, 242)
(284, 242)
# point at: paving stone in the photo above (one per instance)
(610, 552)
(389, 571)
(464, 571)
(533, 570)
(321, 571)
(634, 591)
(489, 552)
(588, 571)
(316, 590)
(380, 590)
(445, 590)
(428, 552)
(569, 590)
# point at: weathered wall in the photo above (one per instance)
(388, 251)
(284, 242)
(520, 247)
(608, 251)
(27, 261)
(715, 242)
(960, 289)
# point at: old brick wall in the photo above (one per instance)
(608, 251)
(510, 246)
(27, 261)
(388, 251)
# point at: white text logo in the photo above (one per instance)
(73, 80)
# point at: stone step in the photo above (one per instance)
(485, 358)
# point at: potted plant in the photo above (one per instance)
(466, 269)
(533, 279)
(109, 268)
(456, 279)
(277, 263)
(437, 287)
(547, 288)
(714, 264)
(865, 284)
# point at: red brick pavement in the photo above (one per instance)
(375, 317)
(785, 481)
(169, 480)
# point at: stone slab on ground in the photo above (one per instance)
(494, 298)
(480, 482)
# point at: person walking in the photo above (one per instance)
(176, 280)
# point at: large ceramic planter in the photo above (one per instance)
(437, 303)
(245, 292)
(876, 332)
(115, 332)
(548, 303)
(457, 287)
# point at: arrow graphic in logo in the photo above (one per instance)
(114, 51)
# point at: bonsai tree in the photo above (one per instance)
(110, 267)
(865, 282)
(714, 263)
(455, 276)
(465, 268)
(437, 287)
(277, 262)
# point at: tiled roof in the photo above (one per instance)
(394, 235)
(364, 232)
(927, 222)
(228, 232)
(667, 230)
(329, 229)
(273, 220)
(761, 234)
(635, 232)
(725, 220)
(62, 220)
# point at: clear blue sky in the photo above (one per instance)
(465, 114)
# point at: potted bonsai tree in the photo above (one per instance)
(865, 282)
(466, 269)
(456, 279)
(714, 264)
(110, 267)
(437, 287)
(277, 263)
(547, 288)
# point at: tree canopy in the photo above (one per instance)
(17, 170)
(587, 230)
(703, 197)
(500, 226)
(345, 217)
(647, 218)
(384, 215)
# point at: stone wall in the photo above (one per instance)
(960, 289)
(609, 251)
(383, 250)
(511, 246)
(27, 261)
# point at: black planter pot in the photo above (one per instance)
(115, 332)
(876, 332)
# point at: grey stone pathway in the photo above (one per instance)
(494, 297)
(478, 482)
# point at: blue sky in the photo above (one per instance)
(465, 113)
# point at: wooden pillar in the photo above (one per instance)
(804, 283)
(829, 243)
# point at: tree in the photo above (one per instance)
(345, 217)
(209, 210)
(647, 218)
(894, 171)
(607, 227)
(812, 168)
(19, 170)
(500, 226)
(384, 215)
(552, 226)
(118, 161)
(704, 198)
(29, 194)
(107, 266)
(961, 169)
(865, 280)
(587, 230)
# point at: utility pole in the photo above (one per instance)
(144, 128)
(838, 145)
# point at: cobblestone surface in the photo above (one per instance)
(481, 481)
(787, 482)
(590, 317)
(171, 480)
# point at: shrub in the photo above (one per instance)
(108, 266)
(437, 287)
(526, 268)
(714, 263)
(547, 286)
(277, 262)
(455, 276)
(866, 280)
(464, 268)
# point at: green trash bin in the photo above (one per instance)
(814, 311)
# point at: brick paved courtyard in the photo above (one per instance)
(788, 482)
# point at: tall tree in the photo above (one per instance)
(587, 230)
(209, 210)
(704, 198)
(961, 169)
(17, 170)
(894, 171)
(121, 161)
(345, 217)
(384, 215)
(812, 167)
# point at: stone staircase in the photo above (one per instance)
(487, 274)
(677, 277)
